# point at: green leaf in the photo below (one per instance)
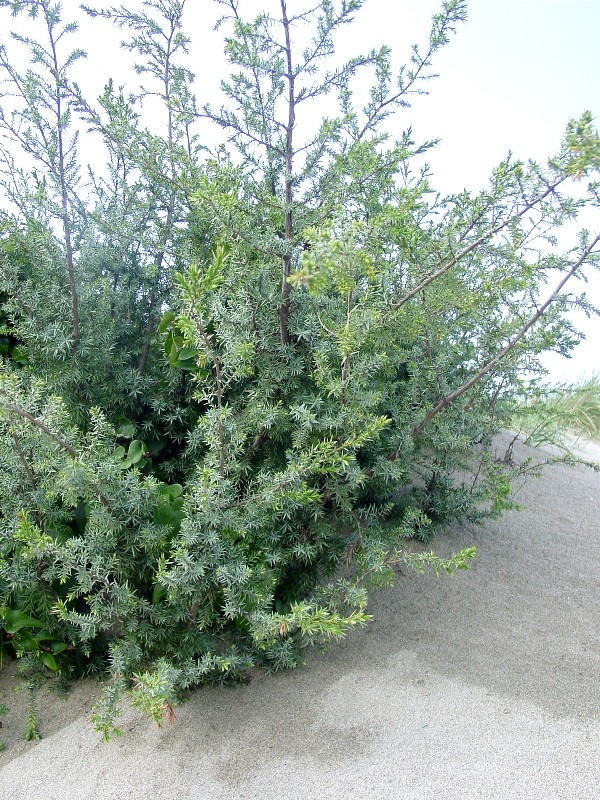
(125, 428)
(188, 352)
(189, 365)
(162, 515)
(17, 620)
(173, 354)
(25, 641)
(166, 321)
(171, 490)
(48, 660)
(136, 451)
(158, 593)
(19, 355)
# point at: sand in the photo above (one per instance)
(484, 685)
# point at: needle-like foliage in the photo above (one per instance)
(235, 382)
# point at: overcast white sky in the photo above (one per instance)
(511, 78)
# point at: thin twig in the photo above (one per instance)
(42, 426)
(23, 460)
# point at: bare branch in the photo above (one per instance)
(14, 409)
(489, 367)
(453, 261)
(26, 465)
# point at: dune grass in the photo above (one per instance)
(561, 413)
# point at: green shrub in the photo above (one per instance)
(235, 384)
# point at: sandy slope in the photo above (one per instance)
(486, 685)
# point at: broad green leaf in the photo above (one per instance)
(162, 515)
(136, 451)
(166, 321)
(26, 641)
(188, 364)
(158, 593)
(48, 660)
(17, 620)
(173, 355)
(125, 428)
(187, 352)
(171, 490)
(19, 355)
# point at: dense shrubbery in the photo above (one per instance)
(233, 383)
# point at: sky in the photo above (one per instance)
(510, 79)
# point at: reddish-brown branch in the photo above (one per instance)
(284, 308)
(64, 195)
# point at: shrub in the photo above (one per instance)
(235, 383)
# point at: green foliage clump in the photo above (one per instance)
(235, 383)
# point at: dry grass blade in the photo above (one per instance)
(557, 413)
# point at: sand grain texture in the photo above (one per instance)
(485, 685)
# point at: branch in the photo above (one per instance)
(64, 189)
(24, 462)
(217, 367)
(158, 263)
(446, 401)
(435, 41)
(347, 357)
(11, 407)
(484, 237)
(42, 426)
(284, 309)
